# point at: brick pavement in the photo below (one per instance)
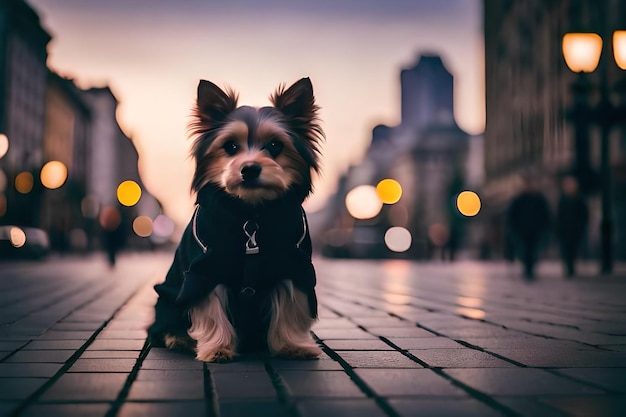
(399, 339)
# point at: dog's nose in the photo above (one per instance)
(250, 172)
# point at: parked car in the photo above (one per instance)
(23, 243)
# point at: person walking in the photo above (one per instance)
(527, 223)
(571, 223)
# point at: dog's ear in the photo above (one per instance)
(213, 103)
(297, 101)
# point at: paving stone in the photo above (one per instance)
(530, 407)
(400, 332)
(86, 387)
(19, 388)
(53, 356)
(8, 407)
(585, 406)
(77, 326)
(557, 358)
(163, 409)
(385, 322)
(329, 334)
(123, 334)
(165, 390)
(65, 335)
(54, 345)
(608, 378)
(110, 354)
(408, 382)
(442, 407)
(459, 358)
(327, 384)
(243, 385)
(518, 381)
(113, 344)
(28, 370)
(163, 353)
(407, 343)
(380, 359)
(239, 408)
(171, 364)
(322, 364)
(334, 323)
(237, 366)
(66, 410)
(352, 407)
(169, 375)
(367, 344)
(9, 346)
(103, 365)
(484, 331)
(615, 348)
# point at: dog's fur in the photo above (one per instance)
(256, 155)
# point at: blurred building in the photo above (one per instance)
(67, 139)
(528, 96)
(426, 154)
(23, 78)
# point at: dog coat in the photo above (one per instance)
(249, 249)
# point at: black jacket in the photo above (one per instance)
(212, 251)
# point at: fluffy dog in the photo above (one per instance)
(242, 277)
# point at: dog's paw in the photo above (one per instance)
(299, 352)
(223, 355)
(178, 342)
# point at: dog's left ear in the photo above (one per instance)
(297, 101)
(213, 103)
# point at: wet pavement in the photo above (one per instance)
(399, 339)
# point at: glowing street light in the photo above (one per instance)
(389, 191)
(128, 193)
(142, 226)
(398, 239)
(468, 203)
(4, 145)
(53, 174)
(17, 237)
(363, 203)
(24, 182)
(582, 51)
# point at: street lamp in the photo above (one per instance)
(582, 53)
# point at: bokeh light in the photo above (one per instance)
(162, 229)
(389, 191)
(128, 193)
(53, 174)
(398, 239)
(363, 203)
(24, 182)
(468, 203)
(142, 226)
(4, 145)
(90, 206)
(3, 205)
(3, 181)
(17, 237)
(109, 218)
(438, 234)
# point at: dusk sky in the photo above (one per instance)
(153, 52)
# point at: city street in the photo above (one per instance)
(399, 339)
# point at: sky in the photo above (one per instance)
(152, 53)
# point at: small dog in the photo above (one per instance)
(242, 279)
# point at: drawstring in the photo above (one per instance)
(251, 266)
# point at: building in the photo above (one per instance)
(426, 154)
(528, 97)
(23, 79)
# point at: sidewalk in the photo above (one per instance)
(399, 339)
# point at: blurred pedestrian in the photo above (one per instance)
(527, 223)
(571, 223)
(113, 232)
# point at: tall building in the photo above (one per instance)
(426, 154)
(528, 97)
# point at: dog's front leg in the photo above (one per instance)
(289, 332)
(210, 326)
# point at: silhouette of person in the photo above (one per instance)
(527, 223)
(113, 233)
(571, 223)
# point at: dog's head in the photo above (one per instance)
(256, 154)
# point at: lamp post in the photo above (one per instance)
(582, 53)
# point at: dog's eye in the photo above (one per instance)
(231, 147)
(274, 148)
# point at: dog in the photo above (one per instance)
(242, 279)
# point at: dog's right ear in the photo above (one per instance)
(213, 103)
